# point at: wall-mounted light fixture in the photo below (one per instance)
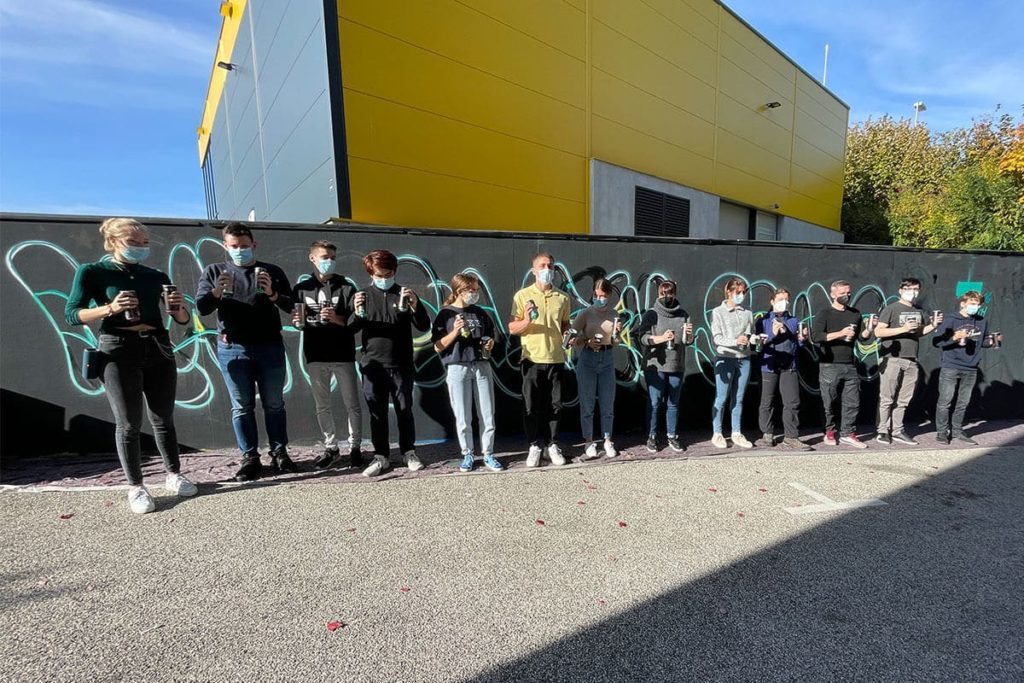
(773, 105)
(227, 66)
(774, 206)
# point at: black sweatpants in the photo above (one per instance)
(542, 398)
(382, 385)
(787, 383)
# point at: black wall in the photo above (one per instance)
(46, 406)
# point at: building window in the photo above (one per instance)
(657, 214)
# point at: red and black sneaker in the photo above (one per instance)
(830, 437)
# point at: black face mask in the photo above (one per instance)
(667, 301)
(843, 300)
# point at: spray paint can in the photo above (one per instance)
(873, 320)
(485, 352)
(131, 315)
(168, 290)
(670, 345)
(257, 272)
(465, 331)
(936, 317)
(228, 290)
(299, 314)
(403, 303)
(534, 312)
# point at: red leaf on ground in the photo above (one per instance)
(351, 528)
(622, 524)
(333, 626)
(740, 514)
(848, 462)
(656, 495)
(108, 503)
(581, 502)
(763, 490)
(68, 515)
(591, 487)
(602, 602)
(612, 558)
(713, 490)
(404, 589)
(934, 467)
(540, 522)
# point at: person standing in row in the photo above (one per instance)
(900, 327)
(137, 351)
(835, 331)
(598, 329)
(463, 336)
(323, 303)
(783, 336)
(386, 313)
(961, 336)
(248, 296)
(665, 331)
(540, 316)
(731, 328)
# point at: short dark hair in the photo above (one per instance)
(910, 282)
(236, 230)
(322, 244)
(972, 295)
(380, 259)
(780, 290)
(668, 284)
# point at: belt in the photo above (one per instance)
(600, 349)
(137, 334)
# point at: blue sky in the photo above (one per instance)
(100, 99)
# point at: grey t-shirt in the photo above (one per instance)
(897, 315)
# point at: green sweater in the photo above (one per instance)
(101, 282)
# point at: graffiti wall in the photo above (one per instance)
(47, 405)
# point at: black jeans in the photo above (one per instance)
(542, 398)
(137, 367)
(381, 385)
(949, 378)
(787, 383)
(830, 377)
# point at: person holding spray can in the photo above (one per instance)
(386, 314)
(665, 331)
(900, 326)
(323, 303)
(599, 327)
(250, 348)
(138, 371)
(961, 336)
(732, 326)
(540, 316)
(783, 335)
(463, 336)
(834, 331)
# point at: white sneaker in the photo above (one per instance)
(380, 464)
(139, 500)
(555, 455)
(609, 449)
(741, 441)
(533, 458)
(413, 462)
(590, 452)
(718, 441)
(180, 486)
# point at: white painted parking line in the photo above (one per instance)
(826, 504)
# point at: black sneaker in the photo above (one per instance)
(673, 443)
(963, 438)
(883, 437)
(326, 459)
(652, 444)
(903, 437)
(251, 468)
(942, 438)
(356, 459)
(281, 462)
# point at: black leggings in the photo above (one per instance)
(137, 367)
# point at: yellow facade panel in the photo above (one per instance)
(737, 152)
(743, 87)
(810, 88)
(815, 186)
(828, 140)
(619, 101)
(686, 17)
(821, 163)
(746, 61)
(432, 83)
(580, 5)
(619, 56)
(811, 210)
(764, 128)
(645, 26)
(755, 45)
(442, 26)
(709, 9)
(392, 133)
(633, 149)
(733, 183)
(392, 195)
(544, 20)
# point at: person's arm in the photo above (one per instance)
(862, 330)
(77, 311)
(565, 315)
(420, 317)
(718, 333)
(645, 331)
(519, 321)
(207, 295)
(439, 333)
(281, 296)
(182, 317)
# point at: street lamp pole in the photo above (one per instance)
(918, 108)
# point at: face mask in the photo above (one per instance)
(240, 256)
(471, 298)
(781, 306)
(326, 266)
(545, 276)
(384, 283)
(738, 298)
(667, 301)
(908, 295)
(599, 302)
(134, 254)
(843, 300)
(972, 309)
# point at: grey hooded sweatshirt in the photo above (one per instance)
(656, 321)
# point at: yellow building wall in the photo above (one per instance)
(485, 113)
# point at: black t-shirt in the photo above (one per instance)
(324, 342)
(897, 315)
(828, 321)
(463, 349)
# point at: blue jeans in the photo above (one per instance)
(246, 367)
(731, 375)
(595, 378)
(466, 382)
(663, 386)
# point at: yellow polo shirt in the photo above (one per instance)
(542, 341)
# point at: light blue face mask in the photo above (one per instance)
(134, 254)
(326, 266)
(240, 256)
(599, 302)
(738, 298)
(545, 276)
(972, 309)
(384, 283)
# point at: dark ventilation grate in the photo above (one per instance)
(657, 214)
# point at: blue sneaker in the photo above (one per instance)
(491, 463)
(467, 463)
